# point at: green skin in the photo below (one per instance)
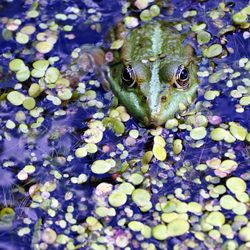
(155, 51)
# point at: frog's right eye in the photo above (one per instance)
(128, 76)
(181, 78)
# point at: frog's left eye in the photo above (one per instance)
(128, 76)
(181, 77)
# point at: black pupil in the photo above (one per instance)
(128, 76)
(184, 74)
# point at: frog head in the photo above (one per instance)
(156, 74)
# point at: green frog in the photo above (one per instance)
(154, 74)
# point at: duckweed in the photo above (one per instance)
(154, 10)
(49, 236)
(215, 219)
(229, 164)
(168, 217)
(238, 131)
(239, 18)
(16, 98)
(159, 152)
(10, 124)
(236, 185)
(136, 226)
(16, 65)
(141, 197)
(81, 152)
(23, 231)
(64, 94)
(131, 22)
(23, 74)
(34, 90)
(240, 209)
(198, 27)
(228, 202)
(145, 16)
(93, 135)
(52, 74)
(213, 51)
(122, 241)
(177, 146)
(141, 4)
(242, 197)
(177, 227)
(41, 64)
(100, 166)
(244, 234)
(44, 47)
(117, 198)
(160, 232)
(22, 38)
(28, 30)
(220, 189)
(29, 169)
(171, 123)
(189, 13)
(203, 37)
(211, 94)
(91, 148)
(245, 100)
(194, 207)
(146, 232)
(22, 175)
(126, 188)
(198, 133)
(158, 148)
(93, 225)
(136, 179)
(159, 140)
(33, 14)
(218, 134)
(29, 103)
(37, 73)
(104, 211)
(246, 10)
(216, 77)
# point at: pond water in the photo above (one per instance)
(78, 172)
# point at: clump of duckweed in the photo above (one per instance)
(158, 148)
(241, 17)
(148, 11)
(115, 120)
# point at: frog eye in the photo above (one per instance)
(181, 77)
(128, 76)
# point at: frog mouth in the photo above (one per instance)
(156, 121)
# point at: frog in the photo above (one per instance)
(153, 74)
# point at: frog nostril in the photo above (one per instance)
(144, 98)
(163, 99)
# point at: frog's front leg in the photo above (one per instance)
(84, 61)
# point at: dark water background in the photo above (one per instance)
(57, 138)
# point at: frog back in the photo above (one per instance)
(152, 40)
